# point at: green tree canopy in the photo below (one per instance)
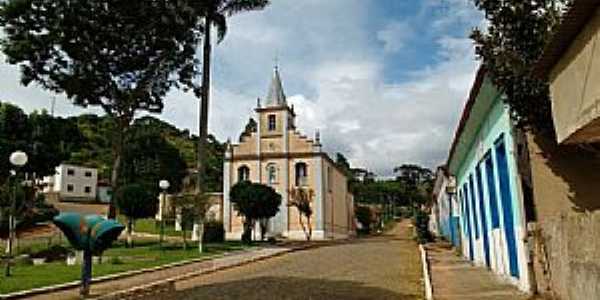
(47, 143)
(38, 134)
(413, 175)
(135, 202)
(516, 36)
(149, 158)
(14, 135)
(121, 56)
(254, 202)
(250, 127)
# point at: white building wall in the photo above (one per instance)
(76, 182)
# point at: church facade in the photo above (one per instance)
(275, 153)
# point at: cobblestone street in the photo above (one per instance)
(383, 267)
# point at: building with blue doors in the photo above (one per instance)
(488, 187)
(444, 217)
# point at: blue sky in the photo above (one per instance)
(384, 80)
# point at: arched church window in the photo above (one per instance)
(301, 174)
(243, 173)
(272, 173)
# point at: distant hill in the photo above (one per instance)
(93, 146)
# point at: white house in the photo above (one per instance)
(75, 183)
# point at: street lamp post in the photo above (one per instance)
(18, 159)
(164, 185)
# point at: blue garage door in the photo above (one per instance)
(483, 216)
(507, 207)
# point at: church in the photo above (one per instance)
(275, 153)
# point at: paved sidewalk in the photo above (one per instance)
(455, 278)
(111, 286)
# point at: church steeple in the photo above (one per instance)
(276, 97)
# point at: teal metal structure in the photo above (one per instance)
(91, 234)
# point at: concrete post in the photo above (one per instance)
(226, 188)
(319, 196)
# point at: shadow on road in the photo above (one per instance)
(288, 288)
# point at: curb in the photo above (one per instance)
(74, 284)
(426, 273)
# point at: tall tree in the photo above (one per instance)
(135, 202)
(47, 143)
(122, 56)
(250, 127)
(14, 135)
(342, 162)
(149, 158)
(214, 13)
(418, 183)
(413, 175)
(514, 40)
(194, 208)
(254, 202)
(37, 134)
(301, 199)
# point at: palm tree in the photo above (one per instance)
(214, 13)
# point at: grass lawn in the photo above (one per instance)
(152, 226)
(145, 254)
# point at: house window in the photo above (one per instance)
(88, 189)
(301, 174)
(243, 173)
(88, 174)
(272, 173)
(70, 188)
(71, 172)
(272, 122)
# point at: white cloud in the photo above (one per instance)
(450, 14)
(382, 125)
(394, 36)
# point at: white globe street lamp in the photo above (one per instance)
(164, 185)
(17, 159)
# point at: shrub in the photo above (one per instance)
(214, 232)
(53, 253)
(115, 260)
(364, 217)
(421, 222)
